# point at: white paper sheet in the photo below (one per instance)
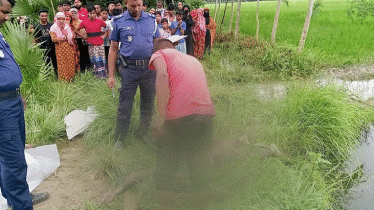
(42, 162)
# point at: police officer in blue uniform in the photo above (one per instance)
(135, 30)
(13, 167)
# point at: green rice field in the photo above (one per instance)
(332, 35)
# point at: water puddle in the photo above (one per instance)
(363, 89)
(362, 196)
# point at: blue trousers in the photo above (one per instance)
(132, 77)
(13, 167)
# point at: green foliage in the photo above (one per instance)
(361, 9)
(29, 56)
(288, 63)
(195, 4)
(317, 7)
(321, 120)
(332, 37)
(250, 59)
(31, 9)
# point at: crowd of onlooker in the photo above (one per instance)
(79, 36)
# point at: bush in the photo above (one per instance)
(321, 120)
(361, 9)
(195, 4)
(287, 63)
(29, 56)
(32, 8)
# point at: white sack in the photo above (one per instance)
(41, 162)
(77, 121)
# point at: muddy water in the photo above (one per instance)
(361, 196)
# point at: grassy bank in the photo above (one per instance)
(332, 36)
(314, 127)
(263, 93)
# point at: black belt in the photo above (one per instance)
(137, 62)
(94, 34)
(9, 95)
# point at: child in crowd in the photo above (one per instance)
(165, 30)
(152, 10)
(158, 19)
(98, 9)
(166, 14)
(60, 6)
(106, 35)
(177, 28)
(96, 50)
(171, 13)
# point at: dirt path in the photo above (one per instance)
(72, 184)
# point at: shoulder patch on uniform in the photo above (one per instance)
(117, 17)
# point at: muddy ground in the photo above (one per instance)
(72, 184)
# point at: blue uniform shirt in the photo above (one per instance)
(10, 73)
(136, 36)
(174, 25)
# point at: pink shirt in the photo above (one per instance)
(189, 92)
(93, 27)
(83, 13)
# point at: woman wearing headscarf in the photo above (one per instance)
(187, 18)
(211, 25)
(63, 37)
(82, 47)
(199, 31)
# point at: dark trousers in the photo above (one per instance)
(132, 77)
(84, 59)
(13, 167)
(187, 138)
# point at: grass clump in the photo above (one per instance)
(253, 60)
(322, 120)
(28, 55)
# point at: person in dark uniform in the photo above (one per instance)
(13, 166)
(136, 31)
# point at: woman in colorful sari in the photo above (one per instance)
(63, 37)
(199, 31)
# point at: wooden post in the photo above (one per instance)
(232, 15)
(224, 13)
(274, 32)
(237, 19)
(306, 26)
(215, 10)
(219, 11)
(257, 19)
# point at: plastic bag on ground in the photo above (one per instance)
(77, 121)
(41, 162)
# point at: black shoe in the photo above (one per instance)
(39, 197)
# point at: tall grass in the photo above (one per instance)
(332, 37)
(304, 123)
(29, 56)
(322, 120)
